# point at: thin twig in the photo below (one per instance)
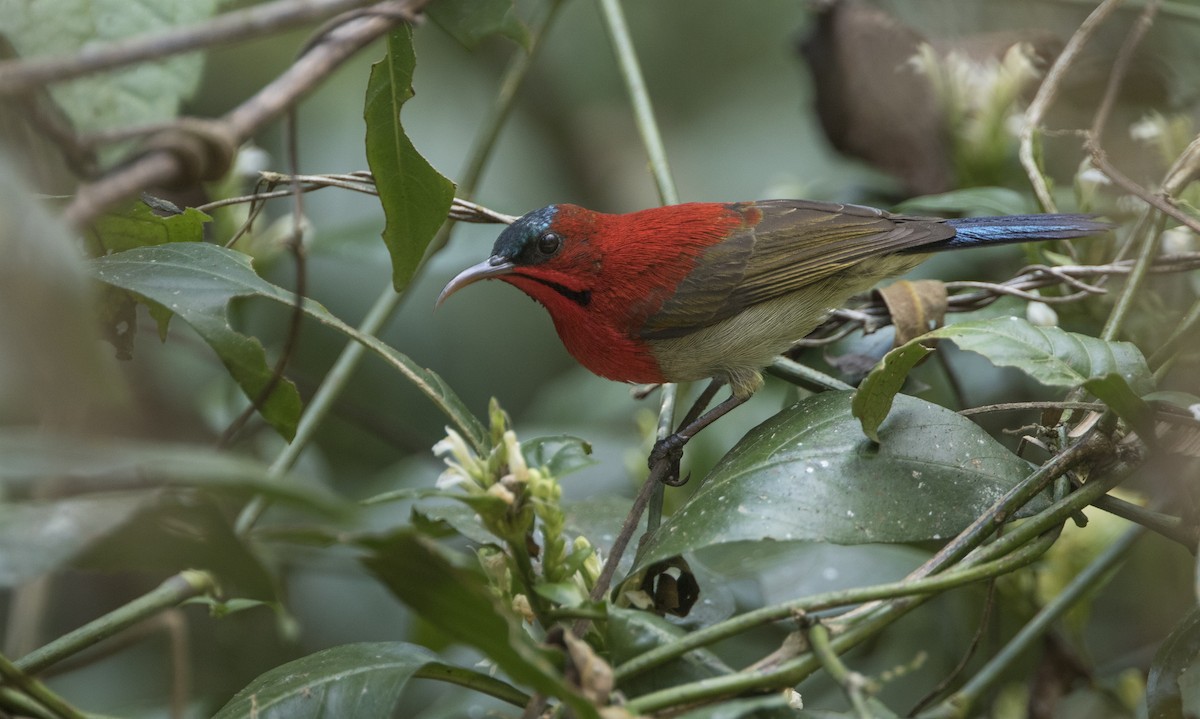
(1046, 94)
(174, 160)
(1121, 66)
(1162, 202)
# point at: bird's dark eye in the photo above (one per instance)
(549, 243)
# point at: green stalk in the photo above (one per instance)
(22, 705)
(335, 381)
(1096, 574)
(643, 115)
(169, 594)
(952, 579)
(643, 110)
(34, 689)
(1137, 276)
(805, 376)
(852, 683)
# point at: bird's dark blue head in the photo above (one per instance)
(524, 244)
(529, 240)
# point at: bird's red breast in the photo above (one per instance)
(616, 271)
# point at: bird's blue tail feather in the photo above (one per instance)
(978, 231)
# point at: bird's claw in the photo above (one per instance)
(670, 451)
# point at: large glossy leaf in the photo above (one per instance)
(415, 196)
(1176, 656)
(1054, 357)
(364, 681)
(452, 593)
(632, 633)
(808, 474)
(470, 21)
(110, 464)
(39, 537)
(198, 280)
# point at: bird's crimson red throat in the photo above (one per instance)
(717, 290)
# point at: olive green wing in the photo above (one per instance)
(785, 246)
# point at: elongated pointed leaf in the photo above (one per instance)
(808, 474)
(364, 681)
(415, 196)
(200, 280)
(1054, 357)
(39, 537)
(455, 597)
(111, 464)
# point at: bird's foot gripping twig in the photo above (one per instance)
(668, 451)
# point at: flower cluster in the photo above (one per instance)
(520, 505)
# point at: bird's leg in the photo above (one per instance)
(701, 402)
(670, 448)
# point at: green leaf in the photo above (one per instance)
(470, 21)
(197, 285)
(112, 464)
(179, 533)
(873, 400)
(452, 594)
(38, 537)
(1114, 391)
(632, 633)
(970, 201)
(1049, 355)
(415, 197)
(364, 681)
(808, 474)
(147, 93)
(461, 518)
(1176, 656)
(220, 609)
(200, 280)
(139, 226)
(559, 454)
